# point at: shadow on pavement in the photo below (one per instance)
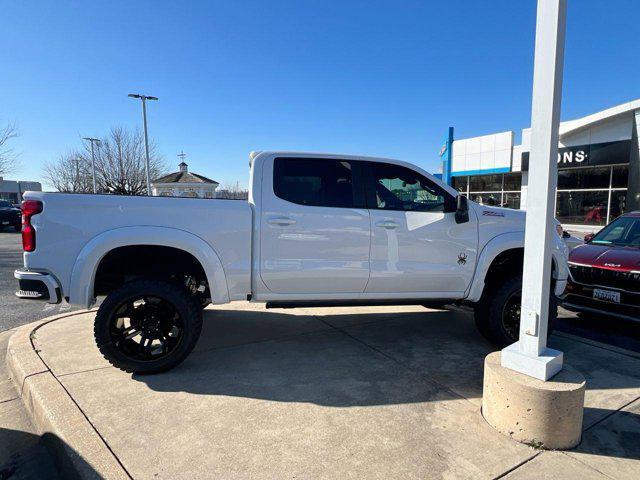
(378, 359)
(24, 455)
(383, 359)
(617, 436)
(614, 331)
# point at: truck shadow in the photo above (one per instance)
(321, 357)
(350, 360)
(338, 360)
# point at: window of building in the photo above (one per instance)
(498, 189)
(461, 184)
(10, 197)
(511, 200)
(492, 199)
(314, 182)
(591, 195)
(512, 182)
(618, 203)
(581, 178)
(582, 207)
(620, 176)
(485, 183)
(400, 188)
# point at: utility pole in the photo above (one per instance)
(530, 354)
(93, 160)
(144, 99)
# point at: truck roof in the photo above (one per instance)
(294, 153)
(255, 154)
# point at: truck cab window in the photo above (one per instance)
(314, 182)
(399, 188)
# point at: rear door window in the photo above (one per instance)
(315, 182)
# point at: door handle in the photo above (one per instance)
(388, 224)
(281, 221)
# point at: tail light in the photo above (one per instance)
(29, 209)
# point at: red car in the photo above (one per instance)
(604, 273)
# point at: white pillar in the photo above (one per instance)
(530, 354)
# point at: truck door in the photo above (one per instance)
(315, 231)
(416, 245)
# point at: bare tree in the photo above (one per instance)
(120, 166)
(120, 162)
(234, 192)
(70, 173)
(8, 158)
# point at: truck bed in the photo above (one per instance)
(69, 221)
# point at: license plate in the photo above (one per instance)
(5, 223)
(606, 295)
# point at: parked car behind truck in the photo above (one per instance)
(317, 230)
(9, 215)
(604, 276)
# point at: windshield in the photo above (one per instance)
(624, 231)
(4, 204)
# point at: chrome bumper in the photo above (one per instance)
(37, 286)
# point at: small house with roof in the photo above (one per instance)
(184, 183)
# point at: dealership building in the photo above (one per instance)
(598, 167)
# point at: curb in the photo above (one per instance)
(80, 450)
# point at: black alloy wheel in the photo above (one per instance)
(148, 326)
(497, 314)
(511, 315)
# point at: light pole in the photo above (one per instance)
(144, 99)
(530, 355)
(93, 160)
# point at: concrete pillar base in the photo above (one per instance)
(542, 414)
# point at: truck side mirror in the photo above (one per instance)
(462, 209)
(588, 237)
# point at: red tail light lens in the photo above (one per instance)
(29, 209)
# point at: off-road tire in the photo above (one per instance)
(188, 309)
(488, 312)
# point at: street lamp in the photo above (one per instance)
(93, 159)
(144, 99)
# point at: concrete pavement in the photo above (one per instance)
(391, 392)
(23, 453)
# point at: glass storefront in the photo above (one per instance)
(500, 190)
(592, 195)
(585, 196)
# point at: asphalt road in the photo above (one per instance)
(16, 312)
(13, 311)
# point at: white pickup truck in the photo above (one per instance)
(317, 230)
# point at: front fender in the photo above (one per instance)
(86, 264)
(508, 241)
(491, 250)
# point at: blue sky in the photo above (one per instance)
(371, 77)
